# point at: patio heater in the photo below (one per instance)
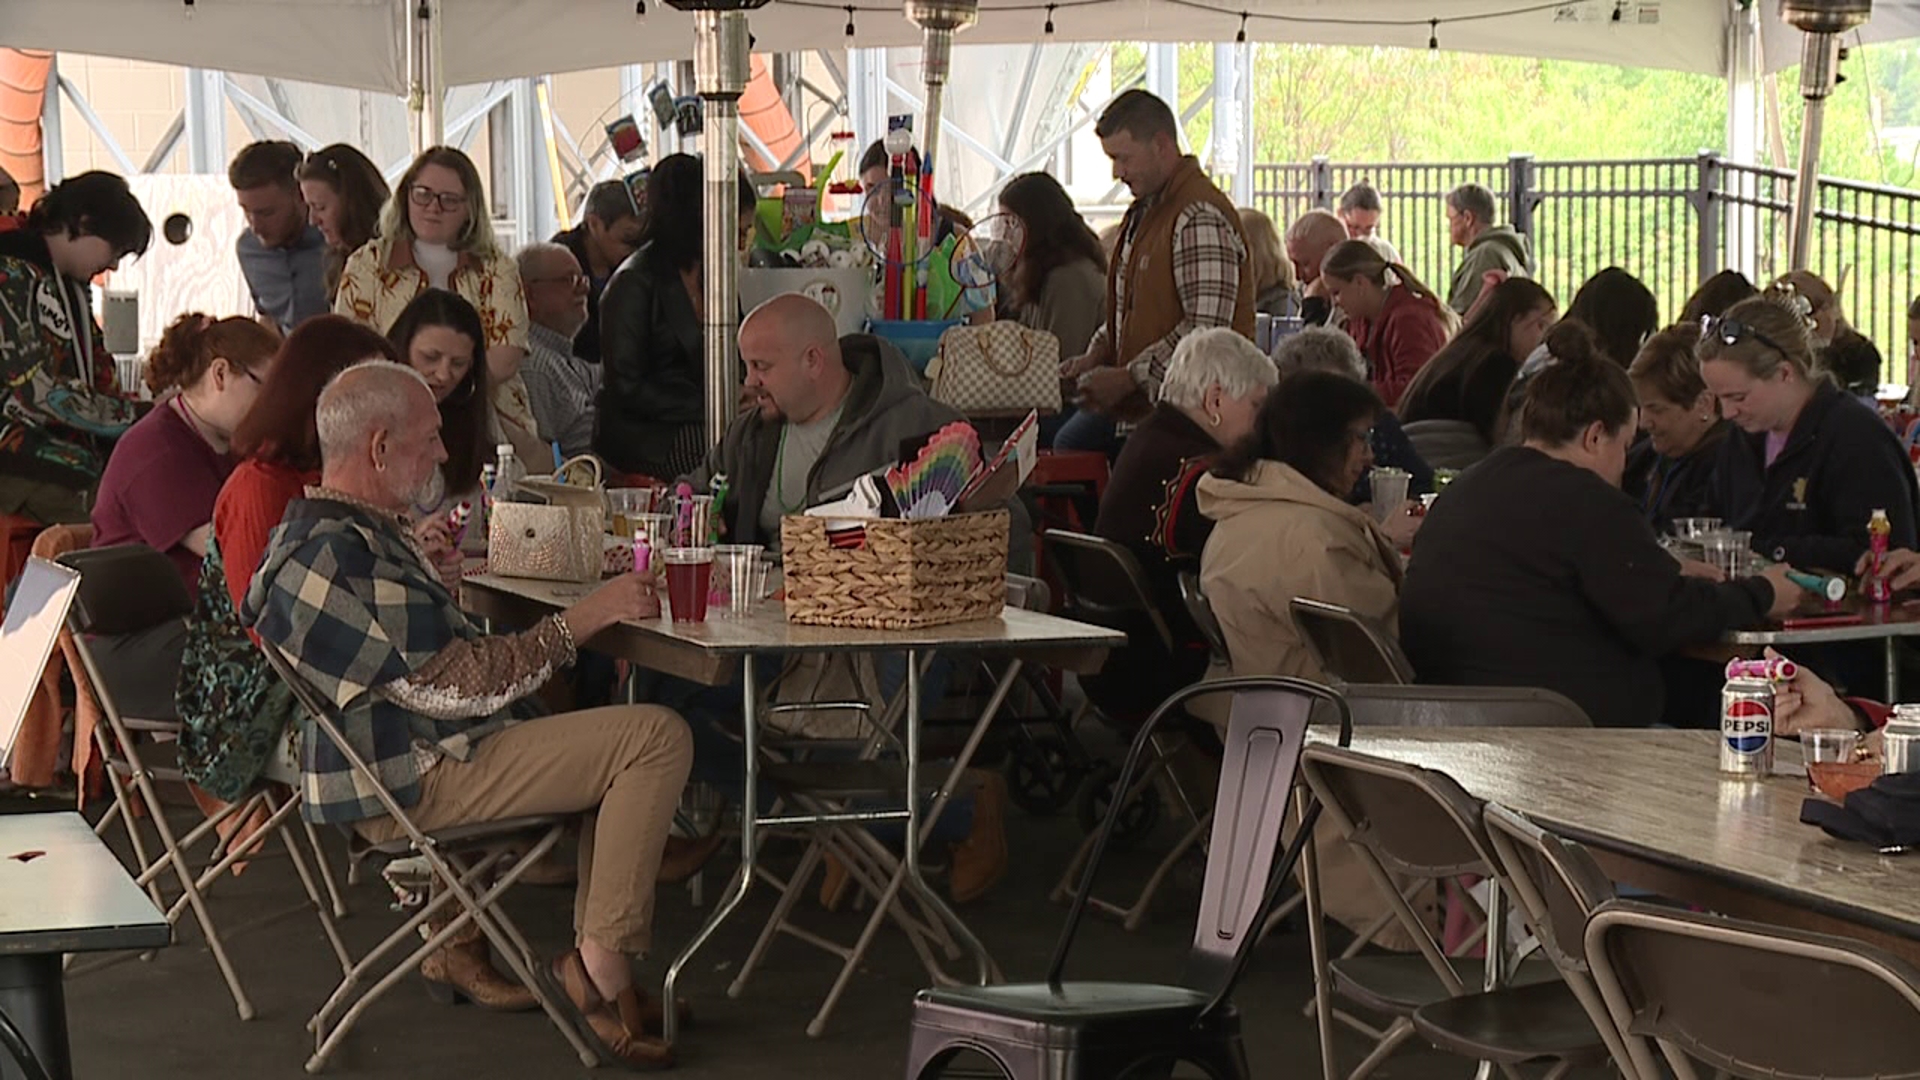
(720, 69)
(939, 20)
(426, 84)
(1823, 21)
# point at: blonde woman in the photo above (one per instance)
(435, 234)
(1398, 322)
(1275, 290)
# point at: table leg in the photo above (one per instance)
(1893, 670)
(32, 998)
(749, 843)
(928, 898)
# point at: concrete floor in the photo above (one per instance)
(172, 1018)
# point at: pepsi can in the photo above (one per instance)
(1746, 728)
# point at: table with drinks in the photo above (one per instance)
(721, 613)
(1658, 814)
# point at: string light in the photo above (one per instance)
(849, 20)
(639, 8)
(1241, 37)
(1049, 27)
(1617, 6)
(1433, 35)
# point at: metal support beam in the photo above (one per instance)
(463, 126)
(1018, 122)
(867, 101)
(100, 130)
(206, 121)
(1249, 151)
(1047, 149)
(52, 147)
(1163, 73)
(169, 142)
(267, 114)
(947, 127)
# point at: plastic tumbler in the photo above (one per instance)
(735, 567)
(1389, 490)
(653, 529)
(624, 505)
(689, 576)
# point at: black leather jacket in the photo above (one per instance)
(651, 364)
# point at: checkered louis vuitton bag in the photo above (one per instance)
(999, 369)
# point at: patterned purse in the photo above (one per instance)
(999, 369)
(557, 535)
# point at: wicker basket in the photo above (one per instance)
(909, 574)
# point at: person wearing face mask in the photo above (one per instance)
(1810, 464)
(1671, 472)
(1534, 569)
(63, 402)
(435, 234)
(439, 335)
(166, 471)
(1398, 322)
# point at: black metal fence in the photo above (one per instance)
(1671, 222)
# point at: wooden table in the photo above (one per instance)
(74, 896)
(712, 653)
(1886, 623)
(1656, 814)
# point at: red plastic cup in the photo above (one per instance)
(689, 575)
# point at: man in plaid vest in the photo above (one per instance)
(440, 710)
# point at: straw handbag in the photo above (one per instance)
(556, 536)
(999, 369)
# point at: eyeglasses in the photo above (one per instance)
(1733, 332)
(571, 281)
(422, 196)
(1362, 438)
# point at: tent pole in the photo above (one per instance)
(938, 20)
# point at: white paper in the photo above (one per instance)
(27, 635)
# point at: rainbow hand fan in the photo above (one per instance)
(930, 485)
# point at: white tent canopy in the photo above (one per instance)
(362, 43)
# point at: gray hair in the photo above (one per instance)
(366, 397)
(1318, 348)
(1473, 199)
(528, 257)
(1215, 357)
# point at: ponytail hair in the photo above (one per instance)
(1351, 259)
(189, 346)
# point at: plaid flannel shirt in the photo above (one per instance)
(1207, 256)
(346, 595)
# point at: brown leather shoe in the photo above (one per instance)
(685, 855)
(616, 1029)
(980, 861)
(462, 970)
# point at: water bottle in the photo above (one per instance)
(508, 473)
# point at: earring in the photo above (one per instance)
(1213, 419)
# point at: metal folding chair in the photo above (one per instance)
(1105, 584)
(1748, 1000)
(1419, 824)
(1556, 886)
(132, 589)
(1350, 646)
(462, 860)
(1061, 1029)
(1201, 612)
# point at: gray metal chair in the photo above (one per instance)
(465, 861)
(1751, 1000)
(1447, 444)
(1350, 646)
(1421, 825)
(1557, 886)
(1201, 612)
(128, 591)
(1061, 1029)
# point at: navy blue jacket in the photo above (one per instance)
(1811, 506)
(1684, 487)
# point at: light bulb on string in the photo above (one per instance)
(1433, 35)
(1617, 6)
(639, 9)
(1049, 26)
(1241, 37)
(849, 20)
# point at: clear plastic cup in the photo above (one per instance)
(1695, 528)
(689, 578)
(736, 577)
(1389, 490)
(1827, 747)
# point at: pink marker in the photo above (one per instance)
(457, 519)
(1770, 669)
(642, 553)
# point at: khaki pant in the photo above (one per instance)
(622, 766)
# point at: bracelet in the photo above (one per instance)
(559, 621)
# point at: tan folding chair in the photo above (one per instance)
(1350, 646)
(462, 860)
(132, 589)
(1421, 825)
(1750, 1000)
(1556, 886)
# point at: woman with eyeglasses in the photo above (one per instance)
(1283, 527)
(1534, 569)
(1810, 463)
(165, 473)
(651, 419)
(436, 234)
(1672, 471)
(440, 336)
(344, 192)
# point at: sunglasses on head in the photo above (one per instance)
(1733, 332)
